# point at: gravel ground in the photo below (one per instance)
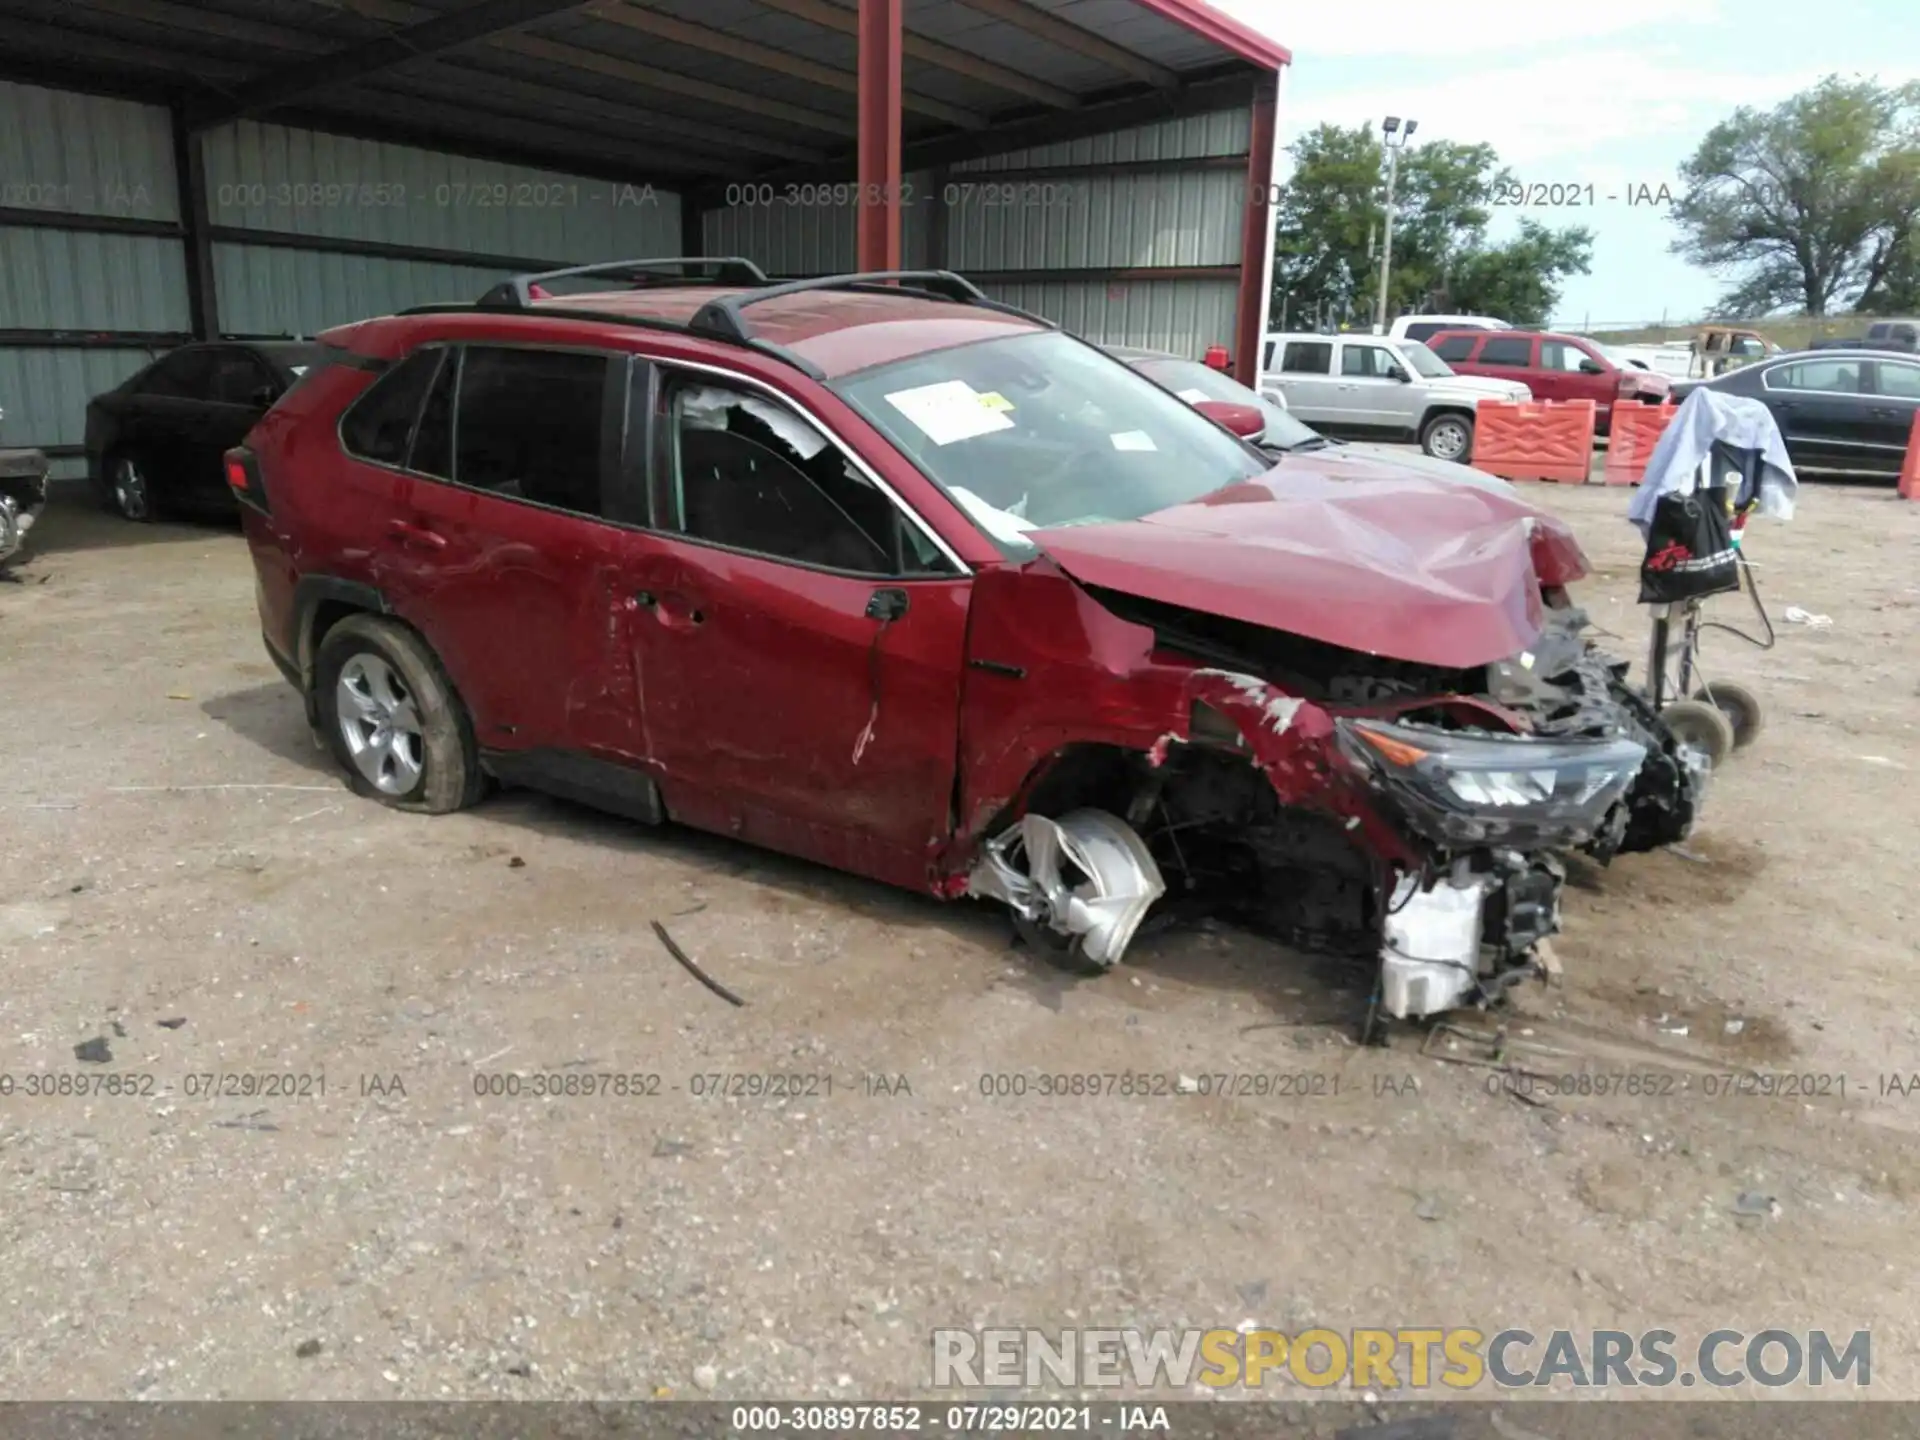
(187, 882)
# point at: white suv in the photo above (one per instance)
(1424, 327)
(1373, 387)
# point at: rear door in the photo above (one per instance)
(160, 418)
(1305, 374)
(491, 541)
(1822, 412)
(797, 637)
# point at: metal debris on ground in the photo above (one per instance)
(694, 970)
(94, 1051)
(1685, 854)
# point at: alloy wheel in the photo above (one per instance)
(380, 724)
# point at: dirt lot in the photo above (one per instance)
(175, 850)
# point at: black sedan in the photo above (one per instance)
(1838, 410)
(154, 443)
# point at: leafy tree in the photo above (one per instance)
(1330, 223)
(1812, 204)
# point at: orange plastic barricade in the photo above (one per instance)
(1636, 429)
(1910, 471)
(1535, 440)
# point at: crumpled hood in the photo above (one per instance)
(1378, 560)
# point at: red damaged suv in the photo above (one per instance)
(876, 571)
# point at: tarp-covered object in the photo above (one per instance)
(1705, 416)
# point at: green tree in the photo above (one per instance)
(1811, 205)
(1331, 219)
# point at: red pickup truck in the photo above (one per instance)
(1554, 367)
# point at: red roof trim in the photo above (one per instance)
(1222, 29)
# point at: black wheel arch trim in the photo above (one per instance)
(310, 592)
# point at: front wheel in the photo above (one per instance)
(1448, 437)
(392, 718)
(129, 489)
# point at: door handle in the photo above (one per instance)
(886, 605)
(645, 599)
(410, 534)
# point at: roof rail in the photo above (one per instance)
(722, 316)
(691, 270)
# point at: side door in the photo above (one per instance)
(797, 635)
(1821, 412)
(491, 542)
(1377, 385)
(1509, 357)
(1305, 376)
(1563, 375)
(1895, 397)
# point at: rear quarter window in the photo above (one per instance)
(379, 425)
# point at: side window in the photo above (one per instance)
(1425, 330)
(432, 452)
(1506, 350)
(1840, 377)
(752, 475)
(237, 378)
(182, 375)
(1266, 362)
(1902, 382)
(530, 424)
(1308, 357)
(1455, 347)
(379, 425)
(1559, 355)
(1367, 362)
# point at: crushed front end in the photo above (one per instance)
(1408, 816)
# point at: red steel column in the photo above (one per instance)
(1256, 244)
(878, 234)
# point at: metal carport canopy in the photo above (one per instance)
(711, 92)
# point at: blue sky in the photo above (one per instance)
(1605, 92)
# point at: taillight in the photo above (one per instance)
(243, 478)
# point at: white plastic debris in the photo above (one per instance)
(1794, 615)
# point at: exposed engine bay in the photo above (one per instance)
(1373, 808)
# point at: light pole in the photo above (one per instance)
(1395, 137)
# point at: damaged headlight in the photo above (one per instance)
(1515, 789)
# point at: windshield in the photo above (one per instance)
(1426, 364)
(1040, 430)
(1192, 382)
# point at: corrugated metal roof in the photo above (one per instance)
(1002, 61)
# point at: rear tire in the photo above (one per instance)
(1702, 728)
(1448, 437)
(393, 720)
(1739, 705)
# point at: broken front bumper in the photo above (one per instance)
(1469, 935)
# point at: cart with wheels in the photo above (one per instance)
(1720, 462)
